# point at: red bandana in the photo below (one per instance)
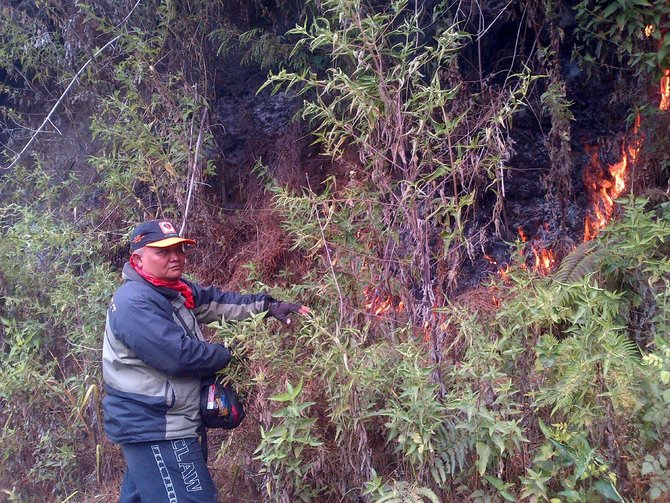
(176, 284)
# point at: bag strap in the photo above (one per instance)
(184, 325)
(202, 434)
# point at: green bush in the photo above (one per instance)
(556, 397)
(54, 292)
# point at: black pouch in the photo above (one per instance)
(219, 405)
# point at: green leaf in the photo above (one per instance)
(610, 9)
(621, 21)
(483, 455)
(607, 490)
(291, 393)
(501, 487)
(427, 493)
(647, 468)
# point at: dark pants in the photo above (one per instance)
(167, 471)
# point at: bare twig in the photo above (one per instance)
(483, 32)
(128, 16)
(194, 170)
(67, 89)
(48, 117)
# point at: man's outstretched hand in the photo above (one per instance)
(281, 310)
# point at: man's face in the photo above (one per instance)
(164, 263)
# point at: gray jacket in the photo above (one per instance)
(154, 356)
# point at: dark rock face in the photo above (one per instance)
(254, 128)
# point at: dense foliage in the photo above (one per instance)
(403, 386)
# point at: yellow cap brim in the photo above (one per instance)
(164, 243)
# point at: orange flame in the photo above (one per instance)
(603, 191)
(378, 304)
(522, 235)
(545, 261)
(665, 80)
(665, 91)
(503, 271)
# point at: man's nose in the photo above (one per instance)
(175, 255)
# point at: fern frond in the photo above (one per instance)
(424, 492)
(583, 260)
(438, 471)
(452, 446)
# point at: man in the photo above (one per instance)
(154, 356)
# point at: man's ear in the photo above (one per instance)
(136, 260)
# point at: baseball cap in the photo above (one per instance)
(157, 234)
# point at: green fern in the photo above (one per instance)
(452, 448)
(583, 260)
(403, 492)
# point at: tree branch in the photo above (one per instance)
(193, 171)
(67, 89)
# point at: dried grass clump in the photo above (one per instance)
(249, 236)
(482, 300)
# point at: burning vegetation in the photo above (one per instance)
(537, 257)
(665, 78)
(380, 302)
(606, 183)
(665, 90)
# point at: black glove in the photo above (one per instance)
(228, 354)
(281, 310)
